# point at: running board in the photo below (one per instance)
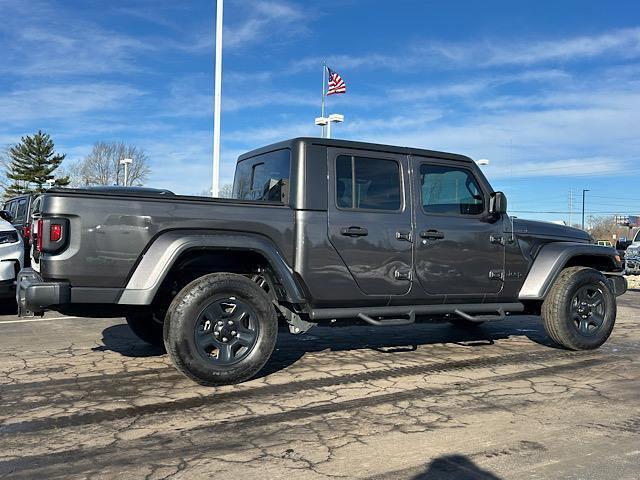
(391, 322)
(489, 309)
(501, 315)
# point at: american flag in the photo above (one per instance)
(336, 84)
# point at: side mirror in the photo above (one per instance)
(6, 215)
(498, 203)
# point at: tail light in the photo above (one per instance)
(26, 231)
(55, 232)
(39, 234)
(52, 234)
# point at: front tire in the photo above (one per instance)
(580, 310)
(220, 329)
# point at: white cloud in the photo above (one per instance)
(63, 101)
(266, 21)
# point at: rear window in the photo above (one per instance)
(263, 177)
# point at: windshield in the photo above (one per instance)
(263, 177)
(637, 237)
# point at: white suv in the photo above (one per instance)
(11, 257)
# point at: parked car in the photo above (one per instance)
(634, 249)
(21, 208)
(317, 230)
(11, 255)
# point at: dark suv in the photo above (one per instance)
(21, 208)
(317, 230)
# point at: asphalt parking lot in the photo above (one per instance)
(83, 398)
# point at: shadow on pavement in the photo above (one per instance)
(458, 467)
(385, 340)
(120, 339)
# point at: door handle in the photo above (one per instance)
(354, 232)
(431, 234)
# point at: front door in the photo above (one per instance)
(370, 218)
(459, 246)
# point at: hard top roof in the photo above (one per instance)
(337, 143)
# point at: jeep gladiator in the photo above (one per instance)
(317, 231)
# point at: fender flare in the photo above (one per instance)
(550, 261)
(163, 252)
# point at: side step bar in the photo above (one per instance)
(491, 311)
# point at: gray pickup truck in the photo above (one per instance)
(317, 231)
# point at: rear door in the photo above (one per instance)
(369, 215)
(459, 247)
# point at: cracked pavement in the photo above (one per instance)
(83, 398)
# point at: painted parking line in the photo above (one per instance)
(29, 320)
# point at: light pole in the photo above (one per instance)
(215, 183)
(583, 192)
(333, 118)
(126, 162)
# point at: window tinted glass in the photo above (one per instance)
(376, 184)
(21, 212)
(450, 190)
(263, 177)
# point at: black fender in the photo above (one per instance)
(552, 258)
(159, 258)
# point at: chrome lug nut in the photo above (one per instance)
(224, 339)
(234, 333)
(230, 322)
(217, 334)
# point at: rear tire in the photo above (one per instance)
(580, 310)
(147, 327)
(220, 329)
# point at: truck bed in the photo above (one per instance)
(109, 232)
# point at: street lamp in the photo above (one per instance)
(334, 118)
(126, 162)
(322, 122)
(482, 162)
(583, 192)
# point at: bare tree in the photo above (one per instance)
(102, 165)
(226, 190)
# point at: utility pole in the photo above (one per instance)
(583, 192)
(217, 95)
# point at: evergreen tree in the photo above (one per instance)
(32, 162)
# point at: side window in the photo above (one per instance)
(368, 183)
(450, 190)
(21, 211)
(11, 207)
(263, 177)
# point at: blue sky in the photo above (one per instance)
(548, 91)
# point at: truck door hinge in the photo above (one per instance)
(496, 275)
(497, 240)
(402, 274)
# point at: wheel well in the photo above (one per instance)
(196, 263)
(600, 263)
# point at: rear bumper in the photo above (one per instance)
(34, 295)
(618, 283)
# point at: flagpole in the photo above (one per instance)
(324, 82)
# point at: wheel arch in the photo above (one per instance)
(220, 251)
(554, 257)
